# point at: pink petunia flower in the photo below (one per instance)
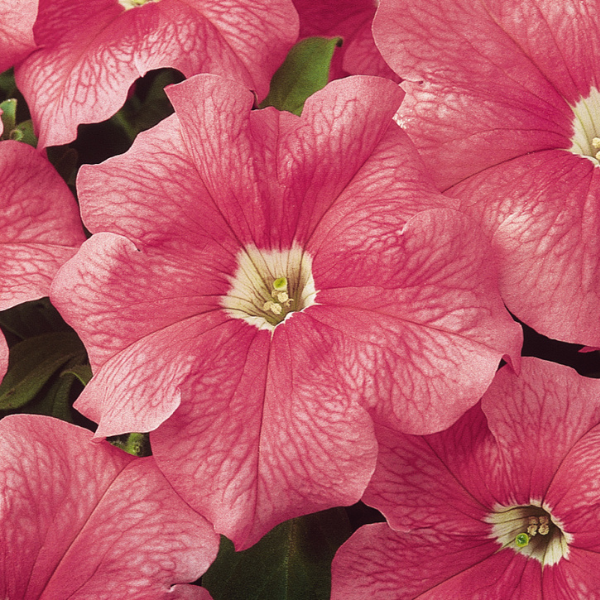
(502, 505)
(81, 520)
(503, 103)
(40, 227)
(352, 20)
(91, 51)
(260, 286)
(16, 30)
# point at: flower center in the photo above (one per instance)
(270, 285)
(129, 4)
(530, 530)
(586, 126)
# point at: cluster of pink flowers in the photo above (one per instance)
(307, 311)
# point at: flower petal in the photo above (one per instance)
(536, 419)
(16, 31)
(258, 441)
(475, 99)
(541, 213)
(90, 53)
(39, 224)
(83, 520)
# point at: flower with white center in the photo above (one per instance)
(260, 287)
(501, 505)
(502, 102)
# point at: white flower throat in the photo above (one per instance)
(270, 285)
(530, 530)
(129, 4)
(586, 126)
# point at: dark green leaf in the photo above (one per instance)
(31, 319)
(7, 83)
(55, 399)
(291, 562)
(304, 72)
(32, 362)
(82, 372)
(149, 105)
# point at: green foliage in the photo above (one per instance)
(20, 132)
(137, 444)
(304, 72)
(291, 562)
(149, 105)
(9, 116)
(32, 363)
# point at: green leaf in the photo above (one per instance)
(23, 132)
(9, 117)
(31, 319)
(304, 72)
(149, 105)
(82, 372)
(31, 364)
(291, 562)
(7, 83)
(56, 400)
(137, 444)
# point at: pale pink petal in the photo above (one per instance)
(541, 213)
(140, 387)
(91, 52)
(563, 49)
(536, 419)
(576, 577)
(3, 357)
(133, 292)
(273, 198)
(39, 224)
(363, 56)
(575, 489)
(379, 563)
(272, 444)
(83, 520)
(437, 480)
(421, 300)
(16, 31)
(474, 99)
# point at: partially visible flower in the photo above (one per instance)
(261, 286)
(84, 520)
(40, 227)
(16, 30)
(352, 20)
(91, 51)
(502, 505)
(503, 103)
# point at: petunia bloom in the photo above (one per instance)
(40, 227)
(502, 505)
(91, 51)
(81, 520)
(503, 103)
(260, 286)
(352, 20)
(16, 30)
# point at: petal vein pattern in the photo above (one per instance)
(258, 292)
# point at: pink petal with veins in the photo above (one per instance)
(92, 51)
(40, 227)
(278, 418)
(83, 520)
(16, 31)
